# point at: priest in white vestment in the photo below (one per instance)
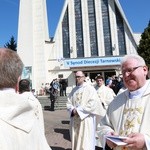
(83, 105)
(106, 95)
(21, 116)
(128, 114)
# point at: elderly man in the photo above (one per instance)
(128, 114)
(83, 105)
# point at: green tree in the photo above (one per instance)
(144, 45)
(11, 44)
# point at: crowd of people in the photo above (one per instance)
(97, 111)
(59, 84)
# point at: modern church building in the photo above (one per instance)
(91, 35)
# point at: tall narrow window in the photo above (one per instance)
(65, 35)
(79, 29)
(92, 28)
(106, 28)
(120, 31)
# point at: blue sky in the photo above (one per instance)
(137, 13)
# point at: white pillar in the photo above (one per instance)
(32, 34)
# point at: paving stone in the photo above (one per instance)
(57, 129)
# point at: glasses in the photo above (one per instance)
(130, 70)
(79, 76)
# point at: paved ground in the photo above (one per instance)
(57, 129)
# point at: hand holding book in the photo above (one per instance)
(118, 140)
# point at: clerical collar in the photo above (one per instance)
(138, 93)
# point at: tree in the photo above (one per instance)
(144, 45)
(11, 44)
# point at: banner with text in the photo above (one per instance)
(92, 62)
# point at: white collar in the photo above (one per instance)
(138, 93)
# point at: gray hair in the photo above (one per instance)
(11, 67)
(136, 57)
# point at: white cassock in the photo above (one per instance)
(106, 95)
(21, 122)
(85, 99)
(128, 112)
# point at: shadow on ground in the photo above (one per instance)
(65, 122)
(59, 148)
(65, 133)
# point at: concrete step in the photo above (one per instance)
(59, 104)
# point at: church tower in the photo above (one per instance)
(32, 34)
